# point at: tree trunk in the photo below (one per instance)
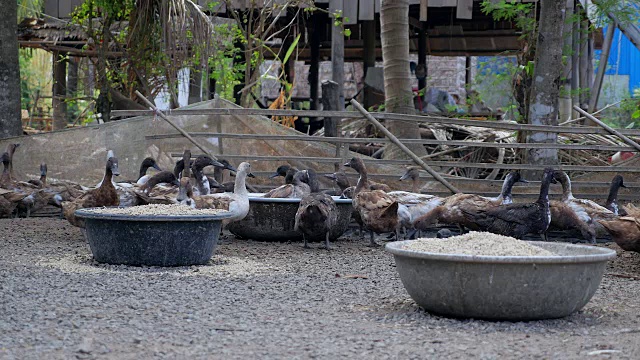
(394, 23)
(59, 90)
(10, 115)
(545, 89)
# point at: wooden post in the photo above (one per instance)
(584, 63)
(337, 54)
(72, 86)
(564, 103)
(602, 67)
(575, 59)
(331, 101)
(369, 57)
(59, 90)
(314, 66)
(180, 130)
(406, 150)
(422, 58)
(611, 130)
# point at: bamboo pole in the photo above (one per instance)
(180, 130)
(608, 128)
(402, 147)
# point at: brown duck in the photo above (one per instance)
(105, 195)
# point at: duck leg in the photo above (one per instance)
(306, 244)
(544, 236)
(372, 243)
(326, 241)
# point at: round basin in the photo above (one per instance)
(272, 219)
(159, 240)
(511, 288)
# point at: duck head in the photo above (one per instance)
(112, 166)
(301, 176)
(185, 192)
(411, 173)
(356, 164)
(149, 162)
(550, 175)
(203, 161)
(340, 178)
(245, 168)
(43, 169)
(6, 160)
(348, 193)
(281, 171)
(617, 181)
(514, 177)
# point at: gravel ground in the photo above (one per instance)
(269, 300)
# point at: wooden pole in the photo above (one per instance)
(337, 52)
(369, 58)
(402, 147)
(613, 131)
(180, 130)
(602, 67)
(59, 90)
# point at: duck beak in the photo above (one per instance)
(252, 176)
(155, 166)
(347, 164)
(214, 184)
(331, 176)
(623, 185)
(182, 194)
(230, 168)
(274, 176)
(404, 177)
(217, 164)
(175, 182)
(554, 181)
(523, 181)
(114, 170)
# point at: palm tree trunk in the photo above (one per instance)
(10, 115)
(394, 23)
(543, 108)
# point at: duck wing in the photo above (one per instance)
(284, 191)
(625, 231)
(213, 201)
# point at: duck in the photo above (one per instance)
(286, 171)
(203, 185)
(612, 200)
(161, 188)
(41, 182)
(105, 195)
(378, 210)
(147, 163)
(218, 177)
(625, 231)
(517, 220)
(449, 210)
(9, 199)
(237, 202)
(586, 210)
(317, 214)
(341, 179)
(414, 174)
(297, 189)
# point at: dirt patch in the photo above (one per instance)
(269, 300)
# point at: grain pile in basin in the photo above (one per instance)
(479, 243)
(156, 210)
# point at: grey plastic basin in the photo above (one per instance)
(174, 240)
(503, 287)
(272, 219)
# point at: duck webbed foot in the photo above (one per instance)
(372, 243)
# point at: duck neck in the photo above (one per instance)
(613, 194)
(415, 187)
(43, 180)
(198, 174)
(143, 171)
(544, 193)
(5, 179)
(507, 185)
(218, 174)
(106, 181)
(239, 186)
(363, 181)
(566, 187)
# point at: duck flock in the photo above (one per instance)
(376, 208)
